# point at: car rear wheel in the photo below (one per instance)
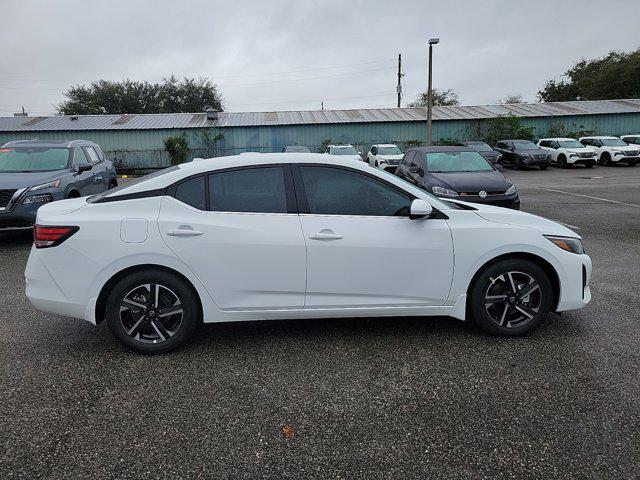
(562, 161)
(152, 311)
(511, 298)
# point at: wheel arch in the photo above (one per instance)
(549, 269)
(101, 303)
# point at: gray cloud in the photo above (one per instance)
(488, 49)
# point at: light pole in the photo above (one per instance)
(432, 42)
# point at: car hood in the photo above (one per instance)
(521, 219)
(492, 181)
(390, 157)
(628, 148)
(15, 180)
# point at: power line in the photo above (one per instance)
(227, 76)
(314, 100)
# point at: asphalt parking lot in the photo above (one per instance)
(368, 398)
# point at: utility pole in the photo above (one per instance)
(321, 105)
(399, 87)
(432, 42)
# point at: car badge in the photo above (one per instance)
(482, 194)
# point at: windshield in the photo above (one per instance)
(296, 149)
(33, 159)
(570, 144)
(613, 142)
(525, 145)
(389, 151)
(447, 162)
(480, 147)
(343, 151)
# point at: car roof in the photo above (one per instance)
(609, 137)
(48, 143)
(556, 139)
(384, 145)
(442, 149)
(338, 145)
(515, 140)
(473, 142)
(631, 135)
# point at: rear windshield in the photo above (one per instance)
(33, 159)
(108, 193)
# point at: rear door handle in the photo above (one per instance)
(325, 234)
(184, 232)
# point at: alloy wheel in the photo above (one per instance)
(151, 313)
(513, 299)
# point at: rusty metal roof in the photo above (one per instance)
(312, 117)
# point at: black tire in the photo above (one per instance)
(501, 317)
(589, 164)
(169, 332)
(112, 184)
(516, 164)
(633, 163)
(562, 161)
(605, 159)
(544, 167)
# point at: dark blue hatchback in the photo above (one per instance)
(33, 173)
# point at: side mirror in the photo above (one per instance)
(499, 167)
(359, 152)
(84, 167)
(420, 209)
(416, 169)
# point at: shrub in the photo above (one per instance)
(177, 148)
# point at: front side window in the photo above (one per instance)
(79, 157)
(447, 162)
(337, 191)
(192, 192)
(257, 190)
(33, 159)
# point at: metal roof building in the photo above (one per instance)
(135, 140)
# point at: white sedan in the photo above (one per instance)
(286, 236)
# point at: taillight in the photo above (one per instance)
(49, 236)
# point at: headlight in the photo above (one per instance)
(499, 157)
(511, 190)
(569, 244)
(619, 153)
(443, 192)
(573, 155)
(38, 199)
(54, 184)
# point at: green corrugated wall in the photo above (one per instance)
(144, 148)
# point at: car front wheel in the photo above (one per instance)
(152, 311)
(511, 298)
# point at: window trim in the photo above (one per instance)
(303, 202)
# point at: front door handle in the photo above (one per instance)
(184, 232)
(325, 234)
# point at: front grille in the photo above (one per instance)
(476, 194)
(585, 154)
(631, 153)
(540, 157)
(5, 197)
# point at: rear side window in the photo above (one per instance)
(336, 191)
(257, 190)
(192, 192)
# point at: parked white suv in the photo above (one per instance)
(385, 156)
(568, 151)
(345, 151)
(612, 149)
(632, 139)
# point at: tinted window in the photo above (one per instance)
(192, 192)
(93, 156)
(501, 145)
(335, 191)
(613, 142)
(79, 157)
(525, 145)
(259, 190)
(545, 143)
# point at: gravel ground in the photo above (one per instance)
(369, 398)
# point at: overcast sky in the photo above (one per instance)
(291, 55)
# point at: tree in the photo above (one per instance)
(128, 96)
(440, 97)
(512, 99)
(503, 127)
(613, 76)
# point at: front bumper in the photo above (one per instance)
(22, 216)
(620, 158)
(534, 162)
(580, 160)
(388, 166)
(575, 290)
